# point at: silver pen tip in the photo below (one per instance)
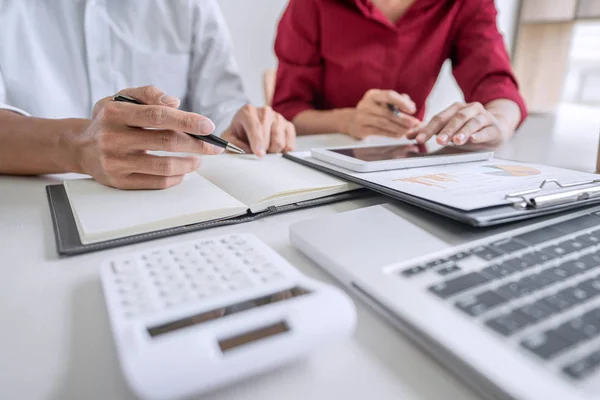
(234, 149)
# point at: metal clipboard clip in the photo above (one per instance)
(555, 199)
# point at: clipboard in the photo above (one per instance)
(522, 205)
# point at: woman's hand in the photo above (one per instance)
(465, 124)
(373, 117)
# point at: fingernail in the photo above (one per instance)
(207, 126)
(476, 137)
(459, 139)
(421, 137)
(168, 100)
(443, 138)
(197, 163)
(217, 149)
(260, 151)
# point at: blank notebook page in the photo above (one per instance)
(104, 213)
(253, 180)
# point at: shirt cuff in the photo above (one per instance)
(14, 109)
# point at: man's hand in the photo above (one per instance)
(114, 149)
(372, 116)
(464, 124)
(261, 131)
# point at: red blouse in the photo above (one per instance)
(332, 51)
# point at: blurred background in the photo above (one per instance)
(554, 46)
(563, 34)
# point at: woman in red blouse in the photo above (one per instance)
(341, 62)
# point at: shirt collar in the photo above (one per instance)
(367, 7)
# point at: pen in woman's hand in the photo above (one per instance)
(212, 139)
(394, 109)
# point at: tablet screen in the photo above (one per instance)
(394, 152)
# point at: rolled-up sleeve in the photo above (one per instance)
(300, 70)
(481, 64)
(215, 88)
(3, 99)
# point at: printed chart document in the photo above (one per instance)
(225, 186)
(473, 186)
(470, 186)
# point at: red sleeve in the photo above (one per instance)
(480, 61)
(299, 75)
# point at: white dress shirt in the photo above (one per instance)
(58, 57)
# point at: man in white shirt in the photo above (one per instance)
(57, 58)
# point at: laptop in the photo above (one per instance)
(513, 312)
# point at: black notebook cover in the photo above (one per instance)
(68, 242)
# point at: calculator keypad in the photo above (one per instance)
(166, 278)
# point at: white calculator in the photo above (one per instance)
(195, 316)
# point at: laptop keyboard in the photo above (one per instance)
(535, 288)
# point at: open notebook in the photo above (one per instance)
(224, 187)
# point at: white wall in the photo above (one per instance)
(253, 24)
(507, 19)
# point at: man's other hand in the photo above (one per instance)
(261, 131)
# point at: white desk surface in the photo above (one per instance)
(55, 341)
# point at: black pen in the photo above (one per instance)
(395, 110)
(212, 139)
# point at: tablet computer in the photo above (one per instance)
(391, 157)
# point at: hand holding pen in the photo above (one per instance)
(113, 148)
(211, 139)
(383, 113)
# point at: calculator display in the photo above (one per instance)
(253, 336)
(226, 310)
